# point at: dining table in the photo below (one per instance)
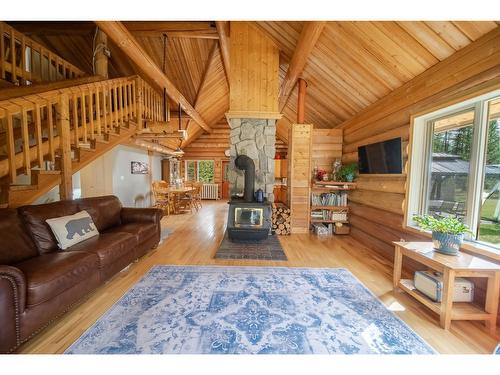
(176, 192)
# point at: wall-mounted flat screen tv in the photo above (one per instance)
(381, 158)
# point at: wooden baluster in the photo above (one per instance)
(49, 65)
(38, 131)
(75, 120)
(104, 106)
(110, 107)
(11, 147)
(115, 103)
(125, 102)
(26, 141)
(120, 103)
(13, 55)
(98, 109)
(62, 110)
(2, 52)
(23, 60)
(134, 100)
(84, 117)
(50, 127)
(130, 108)
(91, 114)
(138, 105)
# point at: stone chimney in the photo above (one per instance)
(256, 139)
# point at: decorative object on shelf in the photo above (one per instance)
(320, 174)
(447, 232)
(337, 164)
(139, 167)
(347, 173)
(259, 196)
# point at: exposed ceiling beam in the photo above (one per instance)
(223, 31)
(180, 29)
(307, 40)
(126, 41)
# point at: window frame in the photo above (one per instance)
(419, 165)
(197, 168)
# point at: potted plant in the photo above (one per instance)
(347, 173)
(447, 232)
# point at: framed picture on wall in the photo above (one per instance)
(139, 167)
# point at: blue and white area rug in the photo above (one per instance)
(249, 310)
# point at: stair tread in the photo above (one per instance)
(45, 172)
(23, 187)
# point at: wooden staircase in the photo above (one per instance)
(47, 136)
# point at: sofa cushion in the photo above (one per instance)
(141, 231)
(105, 211)
(34, 218)
(72, 229)
(107, 246)
(15, 244)
(49, 275)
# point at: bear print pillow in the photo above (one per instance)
(72, 229)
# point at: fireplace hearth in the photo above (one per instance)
(248, 220)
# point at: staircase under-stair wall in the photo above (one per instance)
(47, 136)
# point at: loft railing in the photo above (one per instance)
(31, 125)
(24, 61)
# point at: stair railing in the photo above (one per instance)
(29, 136)
(24, 61)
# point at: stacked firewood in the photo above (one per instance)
(281, 219)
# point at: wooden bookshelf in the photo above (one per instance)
(324, 187)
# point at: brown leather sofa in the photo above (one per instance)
(39, 282)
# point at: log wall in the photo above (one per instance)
(377, 204)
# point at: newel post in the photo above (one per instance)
(63, 130)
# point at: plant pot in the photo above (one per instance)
(448, 244)
(349, 177)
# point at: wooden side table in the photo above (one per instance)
(462, 265)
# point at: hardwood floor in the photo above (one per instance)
(195, 240)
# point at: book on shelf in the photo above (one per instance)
(329, 199)
(328, 215)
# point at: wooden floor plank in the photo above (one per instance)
(195, 240)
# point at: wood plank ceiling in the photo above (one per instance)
(352, 65)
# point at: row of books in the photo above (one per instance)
(328, 215)
(329, 199)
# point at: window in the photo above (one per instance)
(200, 170)
(455, 166)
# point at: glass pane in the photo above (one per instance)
(190, 170)
(489, 226)
(206, 171)
(450, 165)
(248, 217)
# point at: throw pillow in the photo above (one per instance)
(72, 229)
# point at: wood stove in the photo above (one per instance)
(248, 220)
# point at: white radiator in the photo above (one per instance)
(210, 191)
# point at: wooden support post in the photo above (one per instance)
(62, 110)
(75, 120)
(13, 55)
(11, 150)
(83, 110)
(38, 132)
(50, 127)
(26, 141)
(101, 58)
(301, 101)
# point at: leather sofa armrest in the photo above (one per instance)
(133, 215)
(12, 304)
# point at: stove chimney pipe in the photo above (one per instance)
(245, 163)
